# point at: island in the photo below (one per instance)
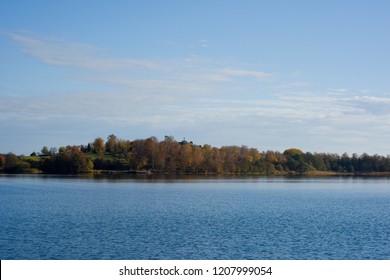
(169, 156)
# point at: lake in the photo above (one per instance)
(130, 217)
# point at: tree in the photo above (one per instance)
(185, 158)
(271, 157)
(111, 144)
(123, 148)
(45, 151)
(14, 164)
(69, 160)
(138, 159)
(53, 150)
(171, 151)
(296, 160)
(151, 147)
(99, 147)
(197, 158)
(2, 161)
(293, 152)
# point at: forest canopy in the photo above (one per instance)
(170, 156)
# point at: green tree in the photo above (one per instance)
(45, 151)
(296, 160)
(293, 152)
(14, 164)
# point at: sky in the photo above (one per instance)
(268, 74)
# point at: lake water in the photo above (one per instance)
(52, 217)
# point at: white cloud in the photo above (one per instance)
(204, 43)
(231, 73)
(63, 53)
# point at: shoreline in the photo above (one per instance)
(151, 173)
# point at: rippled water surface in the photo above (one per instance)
(194, 218)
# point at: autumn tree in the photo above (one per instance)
(208, 163)
(139, 158)
(111, 143)
(185, 157)
(123, 149)
(68, 160)
(170, 149)
(2, 161)
(98, 146)
(197, 159)
(152, 152)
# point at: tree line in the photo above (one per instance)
(170, 156)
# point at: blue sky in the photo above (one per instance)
(267, 74)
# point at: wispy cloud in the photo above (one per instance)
(185, 75)
(228, 72)
(204, 43)
(60, 52)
